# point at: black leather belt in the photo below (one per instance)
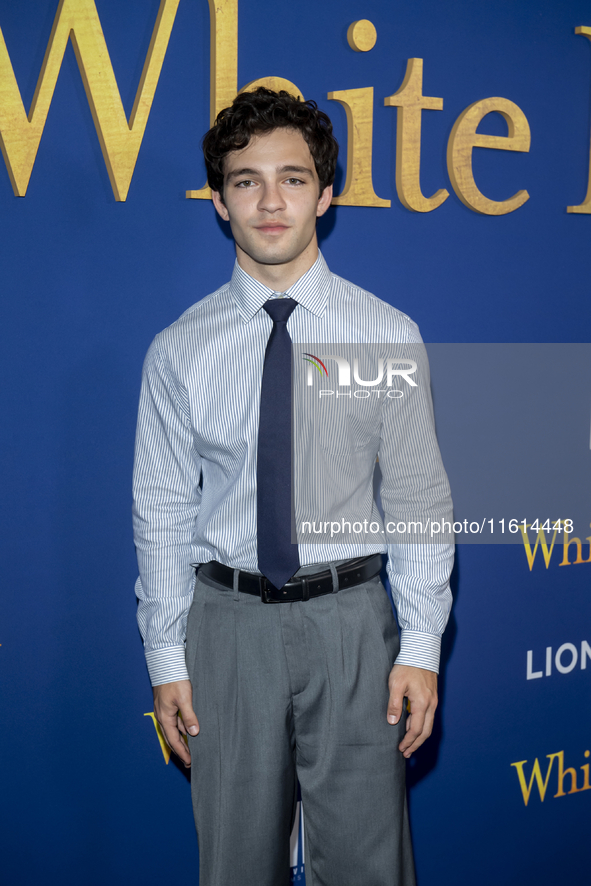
(351, 573)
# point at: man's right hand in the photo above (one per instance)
(173, 706)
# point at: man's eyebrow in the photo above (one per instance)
(247, 170)
(299, 169)
(236, 173)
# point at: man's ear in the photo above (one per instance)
(323, 201)
(220, 205)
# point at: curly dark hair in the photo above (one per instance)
(263, 110)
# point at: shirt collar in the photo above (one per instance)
(311, 290)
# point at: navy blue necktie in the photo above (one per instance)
(278, 558)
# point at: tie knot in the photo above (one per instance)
(279, 309)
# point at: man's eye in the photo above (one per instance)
(295, 181)
(245, 184)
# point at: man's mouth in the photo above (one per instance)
(272, 228)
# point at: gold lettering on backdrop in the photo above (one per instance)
(558, 526)
(464, 138)
(579, 549)
(275, 83)
(358, 190)
(585, 206)
(562, 773)
(223, 73)
(362, 35)
(411, 102)
(585, 768)
(223, 66)
(540, 540)
(542, 784)
(120, 141)
(537, 775)
(223, 81)
(162, 741)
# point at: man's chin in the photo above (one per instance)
(274, 253)
(272, 256)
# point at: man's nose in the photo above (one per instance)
(271, 199)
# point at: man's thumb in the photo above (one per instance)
(189, 719)
(394, 709)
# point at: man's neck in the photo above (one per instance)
(279, 277)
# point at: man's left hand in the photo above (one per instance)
(420, 687)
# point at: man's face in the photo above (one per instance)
(271, 198)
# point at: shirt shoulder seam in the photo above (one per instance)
(408, 322)
(162, 357)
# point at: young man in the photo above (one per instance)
(310, 689)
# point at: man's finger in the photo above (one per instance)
(415, 736)
(394, 707)
(395, 702)
(187, 715)
(415, 730)
(174, 740)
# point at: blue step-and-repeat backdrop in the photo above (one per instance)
(465, 133)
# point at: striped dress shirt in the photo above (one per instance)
(195, 461)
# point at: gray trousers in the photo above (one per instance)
(294, 691)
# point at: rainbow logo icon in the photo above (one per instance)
(317, 362)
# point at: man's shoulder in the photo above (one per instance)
(177, 347)
(198, 317)
(201, 309)
(376, 311)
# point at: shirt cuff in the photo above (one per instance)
(419, 649)
(167, 665)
